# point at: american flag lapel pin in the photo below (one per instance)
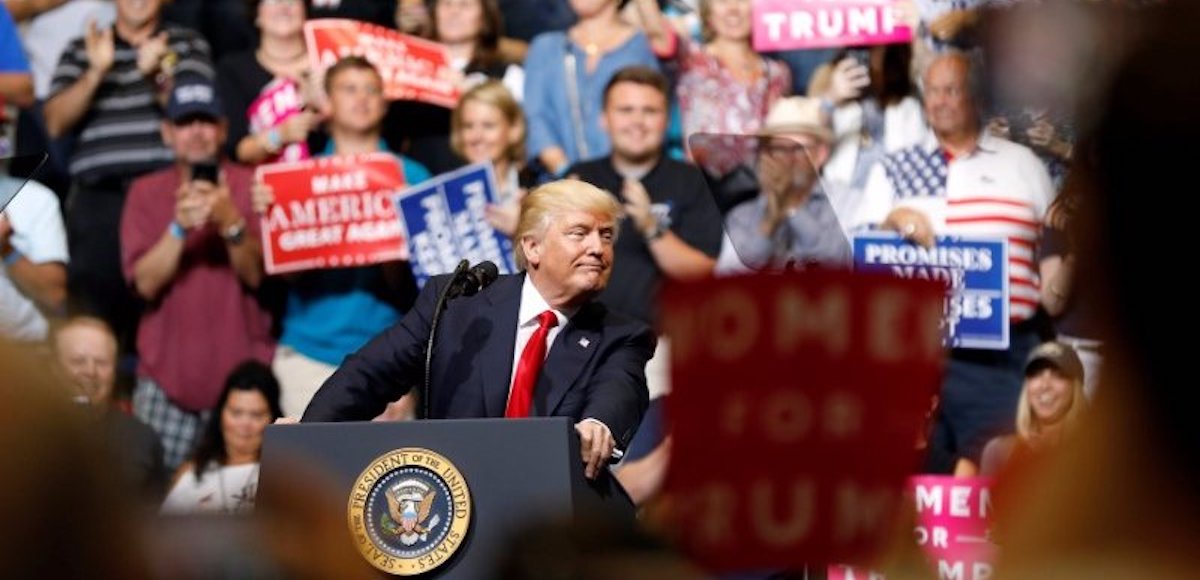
(584, 342)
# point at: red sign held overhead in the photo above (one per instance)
(412, 68)
(332, 212)
(796, 406)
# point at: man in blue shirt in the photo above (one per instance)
(331, 313)
(791, 223)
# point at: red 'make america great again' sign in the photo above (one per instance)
(332, 212)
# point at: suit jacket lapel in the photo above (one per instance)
(569, 354)
(504, 299)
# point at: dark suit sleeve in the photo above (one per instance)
(383, 370)
(618, 395)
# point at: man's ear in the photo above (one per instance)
(532, 248)
(820, 155)
(167, 131)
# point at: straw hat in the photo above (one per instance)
(797, 115)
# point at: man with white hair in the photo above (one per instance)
(85, 351)
(962, 181)
(531, 344)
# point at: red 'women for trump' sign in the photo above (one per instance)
(795, 412)
(332, 212)
(412, 68)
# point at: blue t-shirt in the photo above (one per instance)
(12, 56)
(547, 105)
(332, 313)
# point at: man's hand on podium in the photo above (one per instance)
(596, 445)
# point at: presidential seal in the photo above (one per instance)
(409, 511)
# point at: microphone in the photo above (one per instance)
(463, 282)
(467, 282)
(479, 277)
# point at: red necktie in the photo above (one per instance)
(521, 397)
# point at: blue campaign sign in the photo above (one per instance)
(443, 222)
(975, 271)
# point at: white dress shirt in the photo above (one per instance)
(532, 305)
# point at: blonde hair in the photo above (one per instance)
(1028, 426)
(495, 94)
(707, 34)
(542, 205)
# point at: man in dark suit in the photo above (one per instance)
(531, 344)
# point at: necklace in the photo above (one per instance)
(241, 500)
(286, 63)
(590, 47)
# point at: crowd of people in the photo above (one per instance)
(126, 261)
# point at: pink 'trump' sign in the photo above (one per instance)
(279, 101)
(791, 24)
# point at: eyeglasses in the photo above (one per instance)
(783, 150)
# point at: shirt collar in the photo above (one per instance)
(986, 144)
(532, 304)
(329, 147)
(818, 192)
(613, 167)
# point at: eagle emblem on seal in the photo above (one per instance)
(409, 504)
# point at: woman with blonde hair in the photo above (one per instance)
(1050, 405)
(723, 85)
(472, 32)
(488, 125)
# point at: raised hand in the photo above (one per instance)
(98, 43)
(150, 54)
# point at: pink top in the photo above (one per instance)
(205, 321)
(712, 100)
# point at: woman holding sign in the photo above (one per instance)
(724, 86)
(489, 126)
(471, 32)
(264, 90)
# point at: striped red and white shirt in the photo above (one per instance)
(1000, 190)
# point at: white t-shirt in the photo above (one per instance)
(37, 224)
(222, 490)
(47, 35)
(1001, 190)
(39, 235)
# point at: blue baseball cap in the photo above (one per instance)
(194, 96)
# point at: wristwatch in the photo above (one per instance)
(272, 141)
(235, 233)
(660, 229)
